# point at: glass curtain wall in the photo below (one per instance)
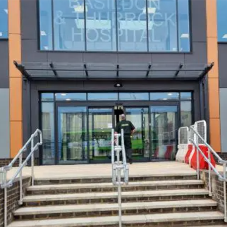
(72, 132)
(222, 20)
(115, 25)
(3, 19)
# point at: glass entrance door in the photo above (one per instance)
(72, 134)
(140, 140)
(100, 125)
(164, 131)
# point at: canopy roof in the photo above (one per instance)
(151, 71)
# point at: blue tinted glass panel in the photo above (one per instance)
(48, 148)
(164, 96)
(183, 25)
(3, 19)
(163, 109)
(70, 96)
(186, 95)
(101, 25)
(47, 96)
(162, 25)
(45, 23)
(133, 96)
(186, 114)
(132, 25)
(222, 20)
(69, 25)
(102, 96)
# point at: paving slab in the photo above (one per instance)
(111, 207)
(113, 220)
(110, 185)
(131, 194)
(61, 172)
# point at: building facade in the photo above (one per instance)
(71, 67)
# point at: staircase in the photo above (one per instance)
(177, 200)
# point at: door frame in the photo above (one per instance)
(64, 104)
(113, 125)
(144, 159)
(111, 104)
(177, 118)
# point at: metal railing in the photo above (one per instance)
(119, 166)
(222, 177)
(4, 170)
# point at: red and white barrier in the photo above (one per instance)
(202, 163)
(189, 153)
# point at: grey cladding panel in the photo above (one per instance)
(4, 123)
(4, 64)
(222, 51)
(29, 19)
(199, 54)
(223, 110)
(198, 20)
(30, 52)
(65, 57)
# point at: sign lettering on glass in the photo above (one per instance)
(132, 16)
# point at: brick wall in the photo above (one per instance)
(217, 188)
(5, 162)
(13, 195)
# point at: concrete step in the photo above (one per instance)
(166, 219)
(112, 209)
(107, 179)
(104, 187)
(111, 197)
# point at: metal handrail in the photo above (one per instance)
(119, 166)
(208, 160)
(4, 170)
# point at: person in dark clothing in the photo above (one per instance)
(129, 129)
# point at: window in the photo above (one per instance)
(186, 113)
(48, 132)
(102, 96)
(162, 25)
(164, 96)
(222, 20)
(132, 25)
(133, 96)
(101, 25)
(45, 24)
(115, 25)
(3, 19)
(183, 26)
(70, 96)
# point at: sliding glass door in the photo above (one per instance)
(164, 126)
(71, 134)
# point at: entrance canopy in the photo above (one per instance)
(151, 71)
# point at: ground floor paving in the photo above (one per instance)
(104, 170)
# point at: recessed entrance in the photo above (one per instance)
(80, 131)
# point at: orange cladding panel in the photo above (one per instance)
(213, 97)
(213, 76)
(16, 137)
(215, 134)
(15, 77)
(14, 16)
(211, 11)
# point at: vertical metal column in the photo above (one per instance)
(224, 188)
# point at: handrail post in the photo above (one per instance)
(21, 181)
(32, 160)
(5, 200)
(224, 188)
(210, 185)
